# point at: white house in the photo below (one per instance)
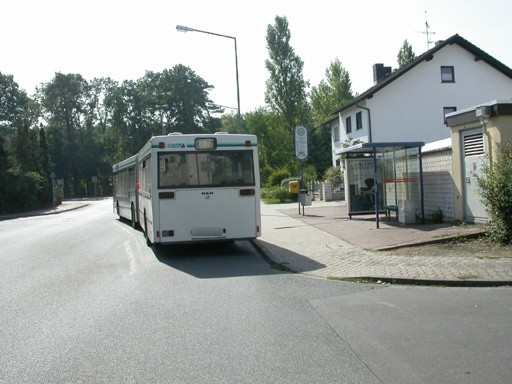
(410, 103)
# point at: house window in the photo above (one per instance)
(348, 124)
(447, 74)
(447, 110)
(359, 120)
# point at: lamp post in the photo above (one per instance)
(182, 28)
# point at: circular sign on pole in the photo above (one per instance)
(301, 142)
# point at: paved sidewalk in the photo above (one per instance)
(67, 205)
(325, 243)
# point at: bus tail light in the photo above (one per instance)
(247, 192)
(137, 186)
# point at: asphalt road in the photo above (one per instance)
(83, 299)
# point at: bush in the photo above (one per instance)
(437, 217)
(495, 187)
(276, 175)
(333, 175)
(26, 191)
(276, 195)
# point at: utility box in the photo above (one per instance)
(406, 212)
(305, 197)
(293, 187)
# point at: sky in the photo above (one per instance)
(124, 39)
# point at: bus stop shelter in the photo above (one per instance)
(385, 177)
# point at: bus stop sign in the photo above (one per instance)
(301, 142)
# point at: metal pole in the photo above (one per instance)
(303, 197)
(53, 192)
(52, 176)
(421, 187)
(182, 28)
(239, 118)
(376, 186)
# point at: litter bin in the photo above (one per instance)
(406, 212)
(305, 197)
(293, 187)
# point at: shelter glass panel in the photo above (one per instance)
(362, 186)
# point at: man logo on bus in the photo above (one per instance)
(207, 194)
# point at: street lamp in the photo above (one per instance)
(182, 28)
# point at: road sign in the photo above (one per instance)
(301, 142)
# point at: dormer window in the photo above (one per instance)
(447, 74)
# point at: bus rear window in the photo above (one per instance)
(205, 169)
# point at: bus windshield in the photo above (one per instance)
(205, 169)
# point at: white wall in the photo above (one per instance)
(438, 184)
(410, 108)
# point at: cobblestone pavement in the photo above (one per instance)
(326, 243)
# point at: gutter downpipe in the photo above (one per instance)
(369, 121)
(375, 175)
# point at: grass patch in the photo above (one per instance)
(352, 280)
(467, 277)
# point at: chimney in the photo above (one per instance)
(380, 72)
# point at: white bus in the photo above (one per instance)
(125, 192)
(196, 188)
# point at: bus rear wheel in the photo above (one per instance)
(148, 242)
(134, 222)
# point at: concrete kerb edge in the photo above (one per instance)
(265, 254)
(469, 283)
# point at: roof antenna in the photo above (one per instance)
(427, 32)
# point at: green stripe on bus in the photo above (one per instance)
(218, 145)
(235, 145)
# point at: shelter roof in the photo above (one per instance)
(381, 147)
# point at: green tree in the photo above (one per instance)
(23, 185)
(405, 54)
(331, 93)
(64, 104)
(274, 140)
(286, 96)
(286, 89)
(179, 98)
(4, 176)
(496, 192)
(18, 116)
(229, 123)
